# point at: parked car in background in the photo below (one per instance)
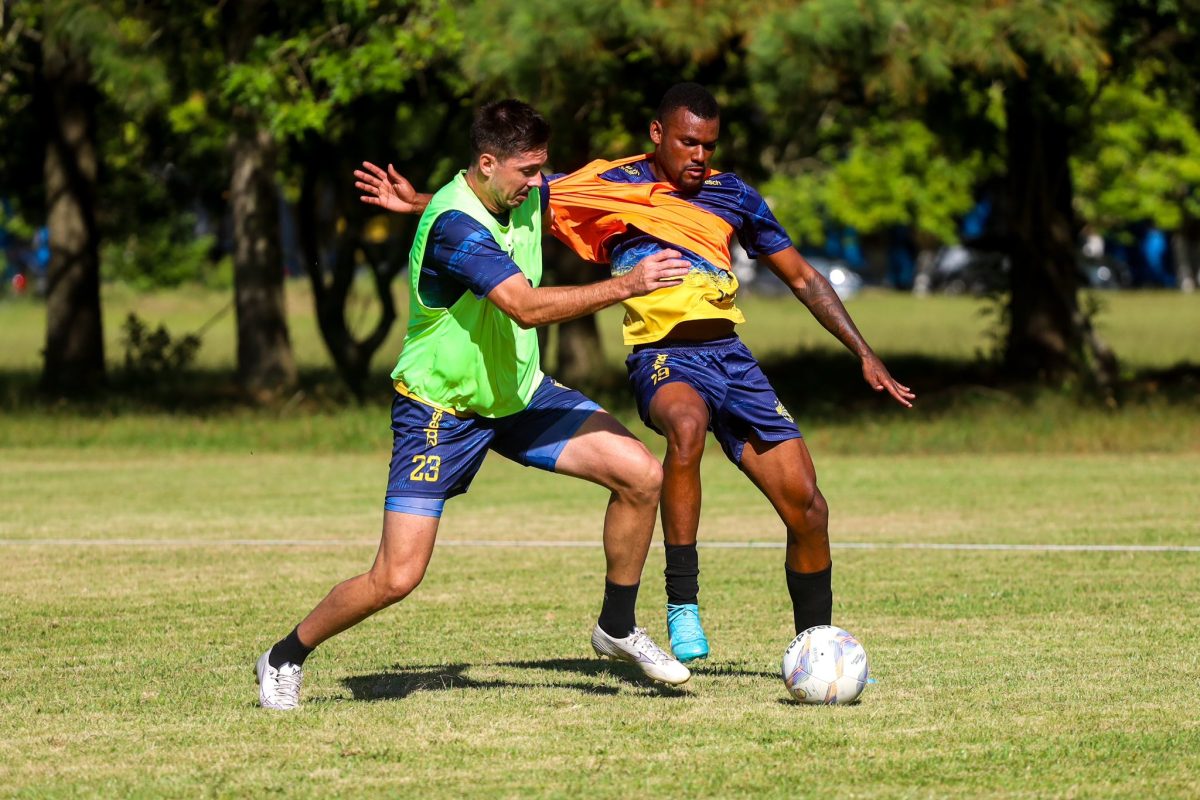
(960, 269)
(759, 279)
(1105, 272)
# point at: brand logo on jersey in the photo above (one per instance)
(431, 430)
(712, 182)
(630, 169)
(783, 412)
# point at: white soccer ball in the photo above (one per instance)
(825, 665)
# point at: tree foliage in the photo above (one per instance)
(69, 69)
(1141, 160)
(872, 114)
(313, 79)
(886, 173)
(865, 67)
(324, 86)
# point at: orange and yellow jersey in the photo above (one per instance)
(617, 212)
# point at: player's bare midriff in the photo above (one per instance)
(698, 330)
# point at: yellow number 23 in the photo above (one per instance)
(426, 468)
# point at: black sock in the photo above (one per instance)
(616, 615)
(288, 650)
(683, 567)
(812, 597)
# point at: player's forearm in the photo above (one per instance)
(824, 304)
(421, 202)
(548, 305)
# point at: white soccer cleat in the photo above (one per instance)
(278, 689)
(639, 649)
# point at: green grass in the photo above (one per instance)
(155, 543)
(126, 668)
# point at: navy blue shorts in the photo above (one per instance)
(740, 400)
(436, 454)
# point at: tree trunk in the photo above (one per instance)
(74, 357)
(1185, 273)
(266, 366)
(1050, 337)
(332, 283)
(264, 351)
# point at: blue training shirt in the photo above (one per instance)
(462, 256)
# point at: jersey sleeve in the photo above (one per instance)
(466, 252)
(546, 180)
(760, 233)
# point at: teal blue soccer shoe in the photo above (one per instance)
(688, 641)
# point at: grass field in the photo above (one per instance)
(139, 589)
(150, 557)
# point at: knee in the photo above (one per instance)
(806, 505)
(818, 509)
(685, 439)
(808, 523)
(393, 585)
(641, 479)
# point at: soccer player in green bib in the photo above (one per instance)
(468, 381)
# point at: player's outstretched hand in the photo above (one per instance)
(664, 268)
(389, 190)
(880, 379)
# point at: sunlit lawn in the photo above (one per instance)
(135, 602)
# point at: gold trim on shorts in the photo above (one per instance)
(404, 390)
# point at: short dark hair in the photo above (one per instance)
(692, 96)
(508, 127)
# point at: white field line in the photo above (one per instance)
(570, 543)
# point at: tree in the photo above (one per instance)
(918, 59)
(1140, 158)
(74, 333)
(65, 61)
(340, 237)
(341, 85)
(266, 365)
(308, 92)
(1050, 113)
(884, 173)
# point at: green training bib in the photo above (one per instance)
(472, 357)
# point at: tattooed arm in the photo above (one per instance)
(811, 288)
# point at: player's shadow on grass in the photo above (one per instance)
(790, 701)
(402, 681)
(625, 673)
